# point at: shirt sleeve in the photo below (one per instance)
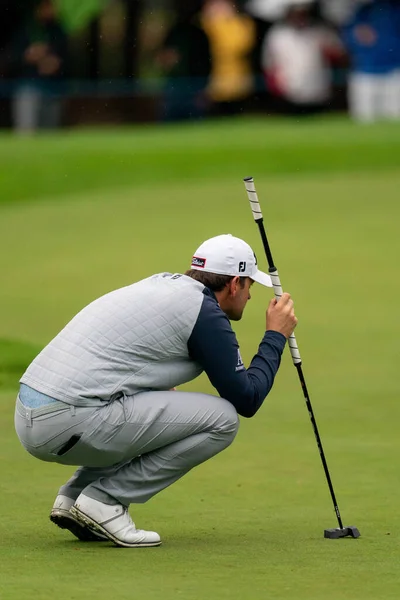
(214, 346)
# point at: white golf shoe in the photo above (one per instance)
(113, 521)
(62, 517)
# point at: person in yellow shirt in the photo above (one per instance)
(232, 38)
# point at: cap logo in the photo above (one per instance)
(242, 267)
(198, 262)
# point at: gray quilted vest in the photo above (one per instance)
(131, 340)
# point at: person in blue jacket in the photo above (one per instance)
(372, 38)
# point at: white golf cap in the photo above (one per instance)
(229, 255)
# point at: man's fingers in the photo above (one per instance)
(285, 298)
(287, 308)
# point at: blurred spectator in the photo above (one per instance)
(297, 55)
(232, 37)
(373, 41)
(186, 61)
(37, 58)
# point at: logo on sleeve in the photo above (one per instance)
(198, 262)
(240, 365)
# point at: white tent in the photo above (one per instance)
(337, 11)
(271, 10)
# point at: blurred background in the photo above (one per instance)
(72, 62)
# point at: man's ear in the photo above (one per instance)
(233, 285)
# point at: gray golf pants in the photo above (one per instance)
(132, 448)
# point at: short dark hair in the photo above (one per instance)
(214, 281)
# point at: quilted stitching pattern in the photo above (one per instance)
(129, 340)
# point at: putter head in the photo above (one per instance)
(334, 534)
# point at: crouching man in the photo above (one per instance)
(99, 394)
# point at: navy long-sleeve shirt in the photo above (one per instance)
(214, 346)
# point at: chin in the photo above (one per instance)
(236, 317)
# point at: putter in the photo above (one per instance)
(338, 532)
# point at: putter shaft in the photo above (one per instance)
(294, 350)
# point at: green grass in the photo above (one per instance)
(85, 212)
(149, 155)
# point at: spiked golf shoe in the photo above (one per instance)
(61, 516)
(113, 521)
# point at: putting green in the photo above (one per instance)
(85, 212)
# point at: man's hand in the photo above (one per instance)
(280, 315)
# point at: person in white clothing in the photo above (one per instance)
(296, 56)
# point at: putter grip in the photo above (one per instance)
(292, 342)
(252, 194)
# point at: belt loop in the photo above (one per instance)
(28, 415)
(72, 410)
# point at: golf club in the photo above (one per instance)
(340, 531)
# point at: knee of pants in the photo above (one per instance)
(228, 423)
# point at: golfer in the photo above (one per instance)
(101, 393)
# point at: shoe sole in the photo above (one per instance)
(64, 521)
(88, 522)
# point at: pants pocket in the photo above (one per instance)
(73, 440)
